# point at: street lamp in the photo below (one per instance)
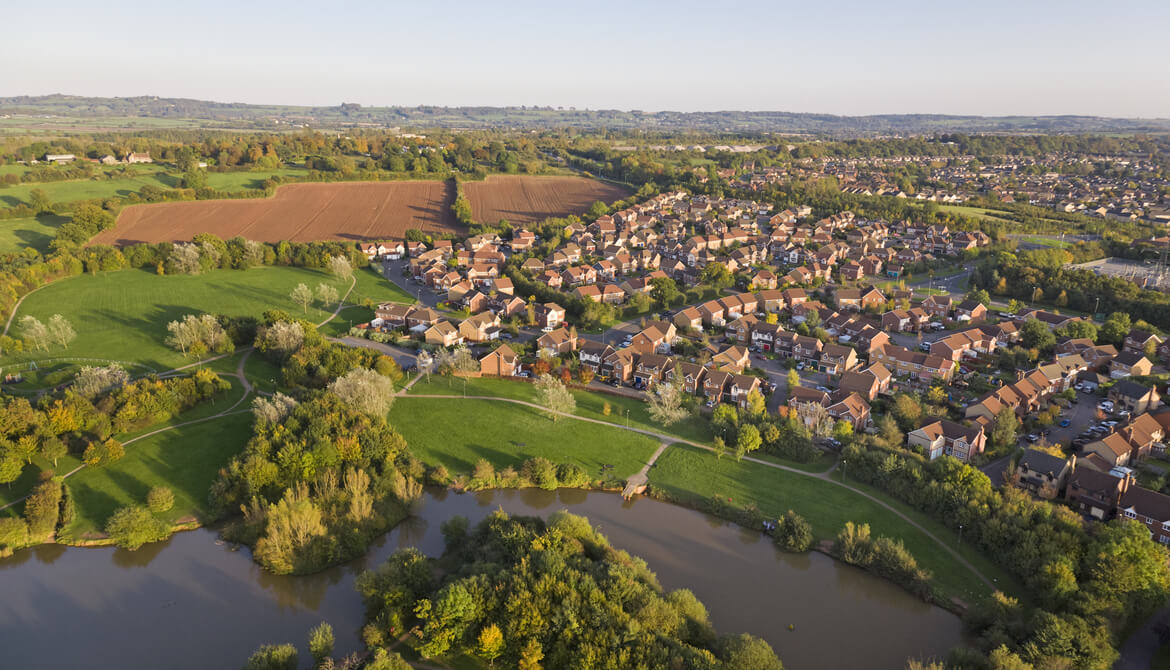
(844, 469)
(960, 534)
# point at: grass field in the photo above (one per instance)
(456, 433)
(1046, 241)
(134, 179)
(589, 404)
(689, 474)
(123, 315)
(185, 460)
(36, 232)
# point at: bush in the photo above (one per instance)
(160, 499)
(273, 657)
(541, 472)
(793, 533)
(13, 533)
(572, 475)
(42, 509)
(132, 527)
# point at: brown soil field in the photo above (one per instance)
(525, 200)
(297, 213)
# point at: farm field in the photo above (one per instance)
(526, 200)
(298, 212)
(123, 315)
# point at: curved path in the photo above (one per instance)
(823, 476)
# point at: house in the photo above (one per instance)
(392, 314)
(442, 334)
(741, 387)
(1042, 474)
(938, 306)
(837, 359)
(559, 341)
(1133, 397)
(690, 375)
(1150, 508)
(863, 383)
(1050, 319)
(970, 310)
(714, 384)
(1139, 341)
(500, 363)
(1113, 448)
(482, 327)
(947, 437)
(903, 362)
(732, 358)
(1130, 364)
(138, 158)
(593, 354)
(550, 315)
(849, 407)
(1095, 494)
(688, 318)
(419, 317)
(651, 369)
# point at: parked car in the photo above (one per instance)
(824, 389)
(1064, 423)
(1033, 437)
(710, 403)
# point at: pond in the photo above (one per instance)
(192, 603)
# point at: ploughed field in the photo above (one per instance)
(525, 200)
(297, 213)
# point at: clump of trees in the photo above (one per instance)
(197, 335)
(92, 381)
(883, 556)
(741, 431)
(133, 526)
(58, 331)
(510, 583)
(534, 472)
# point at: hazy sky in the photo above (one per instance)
(1104, 57)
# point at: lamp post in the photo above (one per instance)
(960, 534)
(844, 469)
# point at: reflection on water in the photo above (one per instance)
(190, 603)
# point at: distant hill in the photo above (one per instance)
(205, 113)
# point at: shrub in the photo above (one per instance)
(132, 527)
(541, 472)
(273, 657)
(793, 533)
(42, 509)
(572, 475)
(160, 499)
(13, 533)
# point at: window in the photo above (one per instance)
(1130, 514)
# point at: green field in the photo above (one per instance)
(689, 474)
(1046, 241)
(134, 179)
(184, 459)
(36, 232)
(123, 315)
(457, 433)
(623, 410)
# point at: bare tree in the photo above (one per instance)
(302, 296)
(666, 404)
(91, 382)
(274, 409)
(817, 418)
(283, 336)
(34, 332)
(253, 253)
(326, 294)
(204, 329)
(61, 331)
(364, 390)
(184, 259)
(340, 267)
(554, 396)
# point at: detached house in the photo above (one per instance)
(947, 437)
(499, 363)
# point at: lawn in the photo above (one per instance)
(123, 315)
(623, 410)
(457, 433)
(1046, 241)
(36, 232)
(184, 459)
(244, 180)
(689, 474)
(370, 284)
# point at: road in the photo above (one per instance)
(392, 270)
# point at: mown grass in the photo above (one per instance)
(623, 411)
(693, 476)
(185, 460)
(34, 231)
(456, 433)
(123, 315)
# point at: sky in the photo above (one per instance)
(989, 57)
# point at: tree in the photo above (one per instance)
(1004, 430)
(273, 657)
(35, 334)
(793, 533)
(160, 499)
(132, 527)
(283, 337)
(756, 406)
(981, 296)
(530, 656)
(793, 379)
(843, 432)
(326, 294)
(42, 509)
(554, 396)
(40, 202)
(744, 652)
(184, 259)
(1117, 325)
(91, 381)
(665, 291)
(301, 295)
(665, 404)
(365, 390)
(52, 449)
(716, 275)
(60, 331)
(198, 335)
(1081, 329)
(747, 439)
(321, 641)
(340, 267)
(490, 644)
(907, 411)
(1035, 335)
(10, 466)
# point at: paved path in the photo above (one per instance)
(641, 478)
(824, 476)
